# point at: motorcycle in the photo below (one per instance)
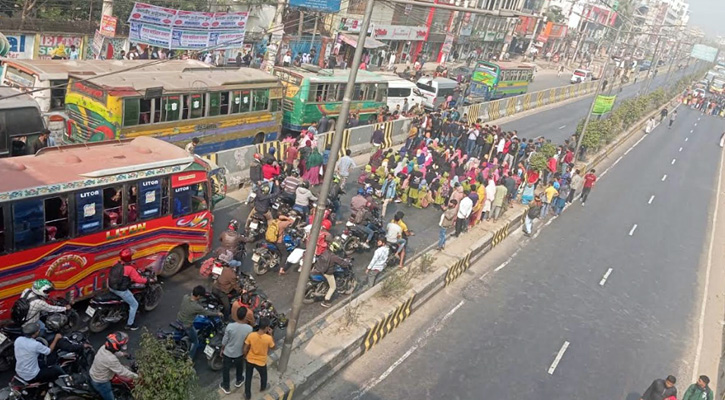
(107, 308)
(353, 237)
(266, 256)
(18, 389)
(256, 227)
(78, 386)
(8, 334)
(317, 284)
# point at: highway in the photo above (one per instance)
(597, 305)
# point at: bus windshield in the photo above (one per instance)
(485, 75)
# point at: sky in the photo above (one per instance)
(708, 15)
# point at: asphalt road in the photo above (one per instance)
(500, 337)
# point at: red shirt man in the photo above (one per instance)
(270, 171)
(589, 180)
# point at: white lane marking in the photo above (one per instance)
(695, 123)
(698, 118)
(680, 149)
(686, 139)
(664, 177)
(673, 161)
(553, 366)
(418, 343)
(604, 173)
(505, 263)
(562, 127)
(651, 199)
(618, 160)
(605, 277)
(701, 323)
(691, 130)
(628, 150)
(631, 231)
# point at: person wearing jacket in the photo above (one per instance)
(226, 284)
(270, 170)
(255, 174)
(37, 296)
(106, 365)
(533, 213)
(188, 310)
(130, 275)
(389, 191)
(303, 197)
(448, 221)
(699, 390)
(661, 389)
(263, 202)
(325, 265)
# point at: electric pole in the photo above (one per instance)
(107, 8)
(324, 191)
(275, 39)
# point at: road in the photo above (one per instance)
(280, 290)
(547, 325)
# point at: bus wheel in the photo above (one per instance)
(173, 262)
(259, 138)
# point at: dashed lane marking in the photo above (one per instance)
(631, 231)
(680, 149)
(651, 199)
(605, 277)
(673, 161)
(558, 358)
(664, 177)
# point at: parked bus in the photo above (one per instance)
(66, 213)
(20, 122)
(52, 75)
(310, 92)
(717, 85)
(224, 108)
(493, 80)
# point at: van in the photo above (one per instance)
(436, 90)
(400, 89)
(581, 75)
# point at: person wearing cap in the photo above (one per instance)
(28, 349)
(255, 175)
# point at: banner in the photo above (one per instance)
(108, 25)
(705, 53)
(603, 104)
(97, 44)
(326, 6)
(186, 30)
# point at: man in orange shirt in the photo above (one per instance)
(256, 347)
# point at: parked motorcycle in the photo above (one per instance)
(266, 256)
(354, 237)
(8, 334)
(317, 284)
(256, 227)
(78, 386)
(107, 308)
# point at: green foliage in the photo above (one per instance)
(548, 150)
(538, 161)
(166, 375)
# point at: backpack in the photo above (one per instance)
(117, 280)
(19, 312)
(272, 233)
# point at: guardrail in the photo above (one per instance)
(236, 162)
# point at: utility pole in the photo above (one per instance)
(107, 8)
(275, 40)
(653, 65)
(314, 31)
(324, 191)
(594, 100)
(301, 24)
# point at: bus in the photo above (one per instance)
(20, 122)
(717, 85)
(66, 213)
(493, 80)
(311, 91)
(224, 108)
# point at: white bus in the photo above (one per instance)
(436, 90)
(400, 89)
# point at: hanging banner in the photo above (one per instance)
(108, 26)
(226, 39)
(143, 12)
(97, 44)
(603, 104)
(230, 20)
(154, 35)
(193, 19)
(188, 39)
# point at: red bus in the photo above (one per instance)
(66, 212)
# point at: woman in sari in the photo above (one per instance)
(312, 166)
(490, 194)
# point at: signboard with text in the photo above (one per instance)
(705, 53)
(399, 32)
(108, 26)
(48, 43)
(327, 6)
(21, 46)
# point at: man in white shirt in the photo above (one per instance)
(471, 145)
(344, 165)
(464, 211)
(377, 264)
(287, 59)
(27, 349)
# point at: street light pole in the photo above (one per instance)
(594, 100)
(324, 191)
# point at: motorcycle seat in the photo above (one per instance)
(106, 297)
(13, 330)
(317, 277)
(19, 382)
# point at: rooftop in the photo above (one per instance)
(20, 100)
(332, 75)
(60, 69)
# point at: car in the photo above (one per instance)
(645, 66)
(581, 75)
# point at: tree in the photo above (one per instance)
(166, 375)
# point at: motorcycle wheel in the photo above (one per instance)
(309, 295)
(7, 360)
(97, 324)
(350, 286)
(262, 266)
(351, 246)
(215, 362)
(153, 298)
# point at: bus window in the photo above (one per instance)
(144, 115)
(312, 96)
(199, 197)
(2, 230)
(357, 93)
(242, 101)
(156, 104)
(381, 92)
(28, 223)
(88, 212)
(214, 100)
(150, 199)
(261, 100)
(132, 208)
(275, 105)
(331, 92)
(56, 218)
(190, 199)
(172, 108)
(224, 103)
(57, 94)
(130, 112)
(112, 201)
(194, 105)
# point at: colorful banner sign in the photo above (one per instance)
(108, 26)
(603, 104)
(151, 14)
(49, 43)
(21, 46)
(326, 6)
(154, 35)
(399, 32)
(189, 39)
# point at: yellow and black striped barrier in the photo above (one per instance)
(500, 235)
(387, 323)
(527, 101)
(457, 269)
(279, 148)
(511, 106)
(387, 128)
(474, 112)
(539, 99)
(552, 96)
(494, 110)
(284, 390)
(345, 141)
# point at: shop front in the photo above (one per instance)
(400, 40)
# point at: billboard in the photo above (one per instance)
(328, 6)
(705, 53)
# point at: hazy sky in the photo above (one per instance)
(708, 15)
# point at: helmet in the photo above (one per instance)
(257, 156)
(305, 184)
(126, 255)
(265, 189)
(335, 246)
(295, 172)
(326, 224)
(116, 341)
(233, 225)
(361, 191)
(56, 321)
(368, 190)
(42, 287)
(336, 178)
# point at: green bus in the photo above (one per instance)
(493, 80)
(311, 91)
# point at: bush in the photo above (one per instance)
(538, 161)
(166, 375)
(548, 150)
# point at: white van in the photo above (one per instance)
(581, 75)
(435, 90)
(400, 89)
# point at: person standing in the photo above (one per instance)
(42, 141)
(699, 390)
(191, 147)
(235, 334)
(447, 221)
(533, 213)
(661, 389)
(673, 117)
(322, 124)
(377, 263)
(589, 180)
(549, 193)
(188, 310)
(389, 191)
(577, 183)
(498, 199)
(256, 347)
(464, 211)
(344, 165)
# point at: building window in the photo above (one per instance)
(57, 94)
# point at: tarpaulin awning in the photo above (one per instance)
(370, 43)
